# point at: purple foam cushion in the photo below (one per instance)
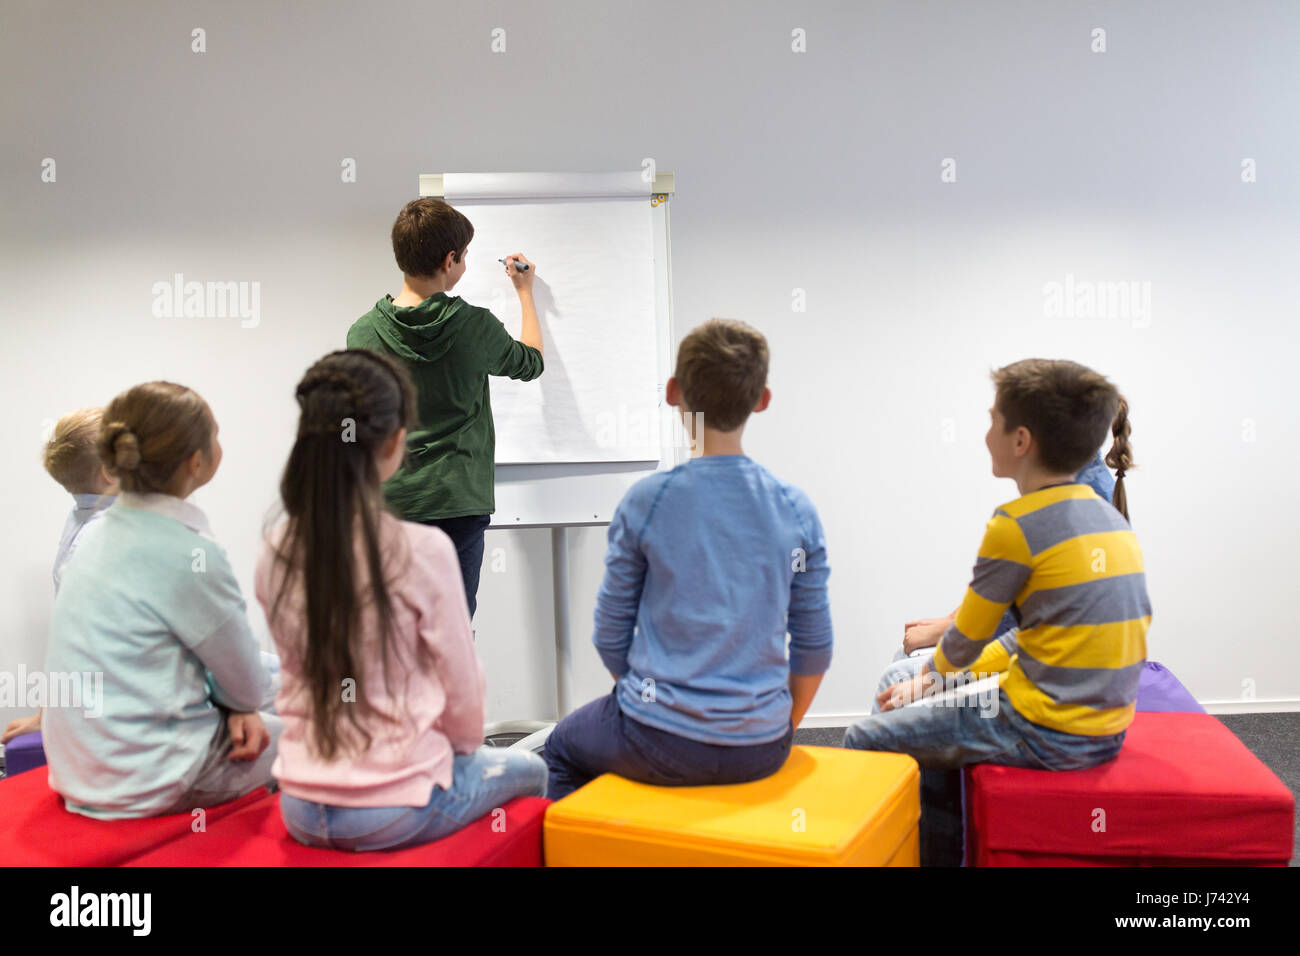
(1159, 691)
(24, 752)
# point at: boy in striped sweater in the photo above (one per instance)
(1069, 567)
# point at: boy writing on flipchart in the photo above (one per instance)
(450, 348)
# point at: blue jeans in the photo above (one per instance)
(481, 782)
(599, 738)
(902, 667)
(946, 738)
(467, 535)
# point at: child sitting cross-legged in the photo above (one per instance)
(1070, 565)
(921, 637)
(150, 609)
(382, 694)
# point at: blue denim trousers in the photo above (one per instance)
(599, 738)
(948, 737)
(902, 667)
(481, 782)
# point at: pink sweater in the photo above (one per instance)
(439, 710)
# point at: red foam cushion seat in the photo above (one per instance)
(36, 829)
(1183, 791)
(256, 836)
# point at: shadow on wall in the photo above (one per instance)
(558, 399)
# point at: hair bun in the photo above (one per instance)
(125, 447)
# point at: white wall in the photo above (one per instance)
(818, 171)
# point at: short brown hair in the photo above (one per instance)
(722, 371)
(70, 456)
(425, 231)
(149, 430)
(1067, 407)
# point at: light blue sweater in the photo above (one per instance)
(151, 603)
(709, 566)
(88, 508)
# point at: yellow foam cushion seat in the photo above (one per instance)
(825, 807)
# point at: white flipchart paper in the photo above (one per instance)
(598, 399)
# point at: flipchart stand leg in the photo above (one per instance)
(563, 653)
(563, 650)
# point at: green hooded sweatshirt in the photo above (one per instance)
(450, 347)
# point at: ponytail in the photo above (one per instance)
(351, 402)
(1120, 456)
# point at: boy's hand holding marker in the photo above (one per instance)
(521, 272)
(516, 264)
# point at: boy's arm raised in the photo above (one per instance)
(531, 331)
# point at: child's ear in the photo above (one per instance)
(673, 392)
(764, 400)
(1024, 441)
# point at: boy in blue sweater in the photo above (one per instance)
(709, 566)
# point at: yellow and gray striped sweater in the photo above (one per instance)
(1071, 565)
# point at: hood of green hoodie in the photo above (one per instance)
(424, 332)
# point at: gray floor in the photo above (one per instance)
(1273, 738)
